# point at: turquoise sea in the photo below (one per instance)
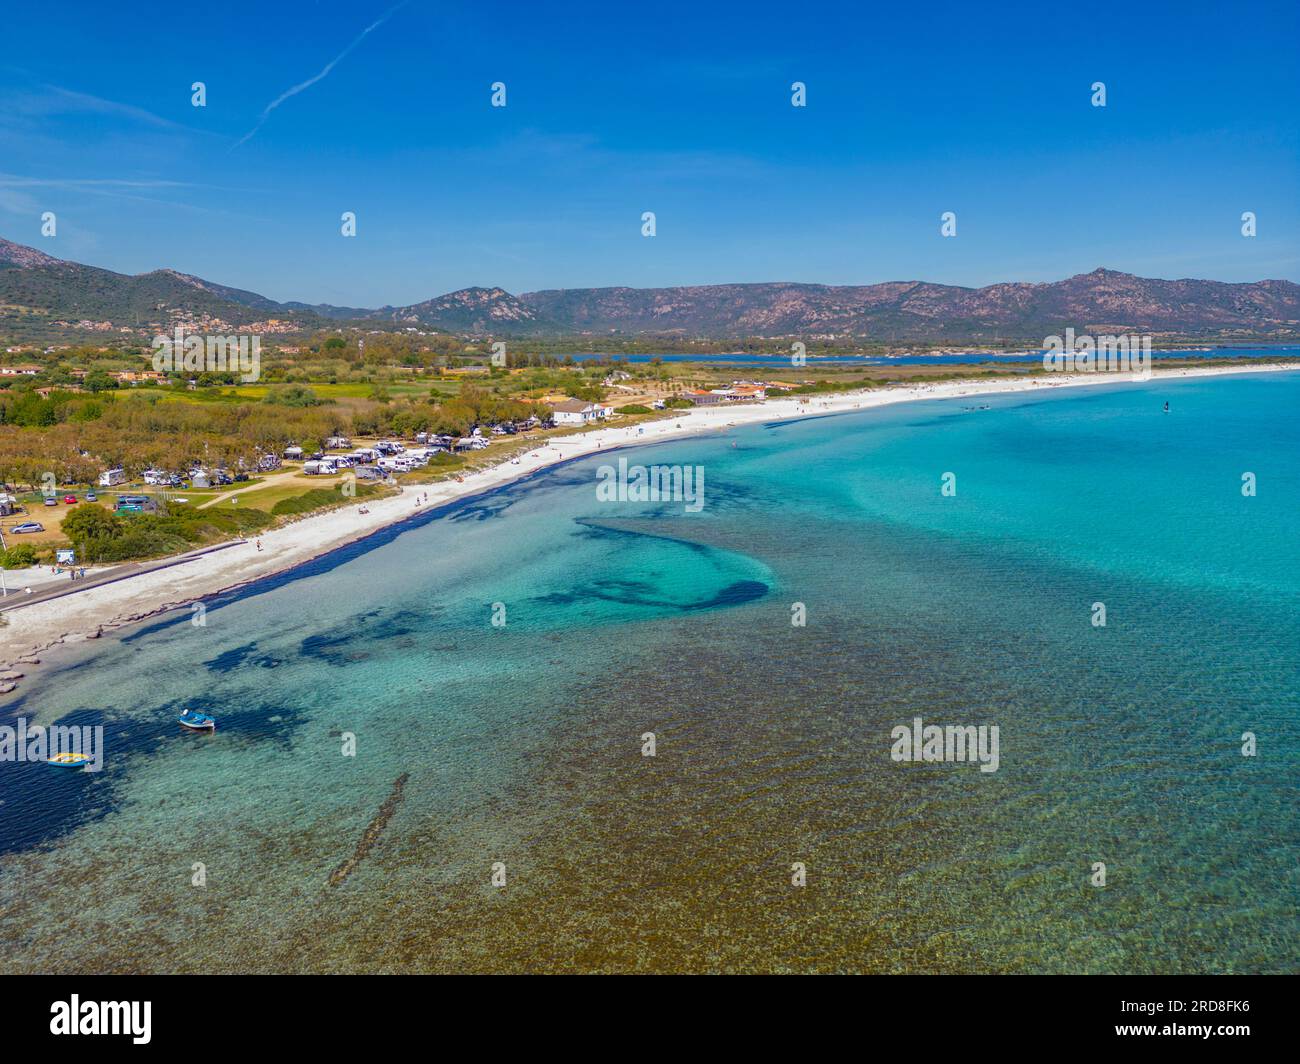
(521, 743)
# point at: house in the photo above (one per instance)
(199, 478)
(747, 392)
(577, 412)
(110, 478)
(703, 398)
(19, 371)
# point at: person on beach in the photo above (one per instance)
(259, 544)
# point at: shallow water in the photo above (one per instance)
(1119, 744)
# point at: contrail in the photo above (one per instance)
(266, 113)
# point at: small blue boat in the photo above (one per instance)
(196, 721)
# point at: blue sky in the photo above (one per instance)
(680, 109)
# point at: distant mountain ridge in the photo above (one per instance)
(38, 291)
(917, 310)
(467, 310)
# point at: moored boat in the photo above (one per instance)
(69, 760)
(196, 721)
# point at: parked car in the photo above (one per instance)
(28, 526)
(91, 497)
(71, 500)
(50, 500)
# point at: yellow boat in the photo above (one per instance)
(70, 760)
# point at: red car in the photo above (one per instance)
(71, 500)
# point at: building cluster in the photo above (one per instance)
(736, 392)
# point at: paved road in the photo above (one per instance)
(16, 599)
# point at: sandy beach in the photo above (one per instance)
(32, 630)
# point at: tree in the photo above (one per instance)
(98, 380)
(19, 557)
(292, 395)
(89, 522)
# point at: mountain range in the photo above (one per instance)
(42, 297)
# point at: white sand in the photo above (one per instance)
(32, 629)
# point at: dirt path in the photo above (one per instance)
(267, 481)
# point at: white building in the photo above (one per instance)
(578, 412)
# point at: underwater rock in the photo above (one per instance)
(373, 830)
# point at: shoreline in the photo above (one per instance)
(33, 630)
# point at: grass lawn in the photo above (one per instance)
(263, 498)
